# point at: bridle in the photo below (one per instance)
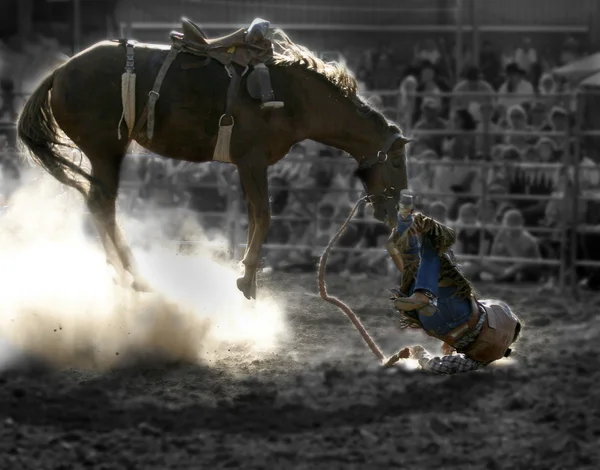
(381, 158)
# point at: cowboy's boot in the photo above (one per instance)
(423, 301)
(266, 92)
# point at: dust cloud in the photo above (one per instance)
(61, 303)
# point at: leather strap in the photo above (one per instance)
(381, 156)
(457, 333)
(129, 57)
(153, 95)
(232, 92)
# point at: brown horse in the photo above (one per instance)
(82, 98)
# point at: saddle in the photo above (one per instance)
(243, 47)
(193, 33)
(249, 48)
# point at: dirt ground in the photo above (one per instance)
(321, 402)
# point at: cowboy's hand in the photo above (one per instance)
(404, 353)
(447, 349)
(416, 351)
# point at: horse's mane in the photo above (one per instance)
(287, 52)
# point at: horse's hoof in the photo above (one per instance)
(247, 288)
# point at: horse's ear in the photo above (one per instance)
(405, 140)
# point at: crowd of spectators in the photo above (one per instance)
(516, 93)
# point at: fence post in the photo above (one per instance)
(576, 161)
(484, 191)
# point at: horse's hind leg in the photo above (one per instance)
(253, 176)
(101, 202)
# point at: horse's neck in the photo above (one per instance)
(335, 120)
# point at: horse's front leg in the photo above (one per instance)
(253, 176)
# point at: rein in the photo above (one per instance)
(341, 305)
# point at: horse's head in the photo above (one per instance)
(384, 175)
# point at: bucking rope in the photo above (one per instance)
(345, 308)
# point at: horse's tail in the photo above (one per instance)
(40, 133)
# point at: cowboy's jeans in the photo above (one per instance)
(452, 311)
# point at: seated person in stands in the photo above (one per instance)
(279, 231)
(374, 235)
(461, 146)
(559, 122)
(468, 239)
(439, 212)
(431, 121)
(321, 231)
(472, 92)
(513, 241)
(436, 297)
(538, 116)
(547, 151)
(422, 180)
(485, 142)
(517, 121)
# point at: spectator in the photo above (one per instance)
(422, 179)
(281, 232)
(497, 153)
(569, 52)
(362, 78)
(10, 176)
(517, 121)
(431, 121)
(485, 142)
(559, 122)
(429, 52)
(491, 66)
(459, 178)
(526, 56)
(469, 240)
(407, 102)
(324, 229)
(508, 56)
(538, 117)
(515, 90)
(437, 210)
(208, 187)
(473, 241)
(513, 241)
(470, 91)
(374, 235)
(8, 111)
(548, 90)
(488, 212)
(383, 74)
(462, 146)
(546, 150)
(504, 177)
(428, 86)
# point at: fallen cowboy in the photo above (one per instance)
(436, 297)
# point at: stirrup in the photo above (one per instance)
(272, 105)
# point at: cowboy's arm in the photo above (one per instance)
(442, 237)
(448, 364)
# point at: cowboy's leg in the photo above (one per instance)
(428, 274)
(425, 288)
(266, 89)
